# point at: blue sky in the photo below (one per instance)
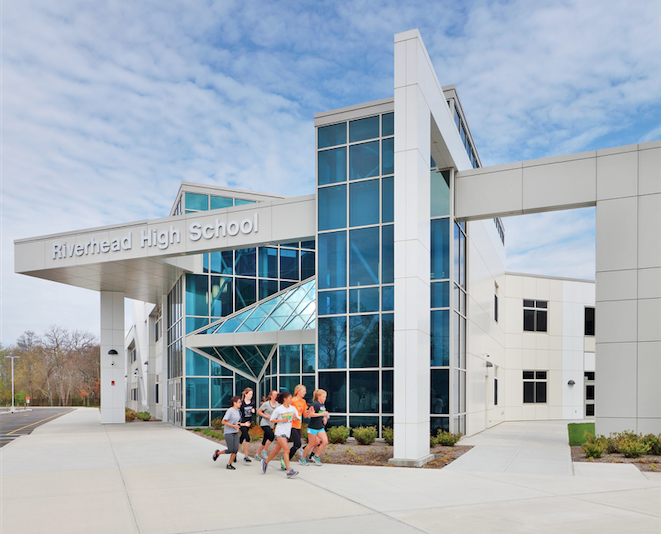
(107, 106)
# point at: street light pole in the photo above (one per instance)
(12, 380)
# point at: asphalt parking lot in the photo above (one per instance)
(14, 425)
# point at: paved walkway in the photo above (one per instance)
(74, 475)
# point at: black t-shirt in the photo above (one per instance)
(247, 410)
(317, 423)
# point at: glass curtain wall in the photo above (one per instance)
(355, 299)
(175, 333)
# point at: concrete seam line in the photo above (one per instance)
(126, 489)
(638, 512)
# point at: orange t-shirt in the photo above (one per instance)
(301, 406)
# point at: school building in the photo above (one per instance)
(387, 287)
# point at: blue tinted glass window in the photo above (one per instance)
(332, 207)
(220, 202)
(332, 346)
(268, 262)
(440, 338)
(294, 244)
(364, 392)
(193, 323)
(364, 300)
(332, 302)
(197, 418)
(196, 365)
(197, 202)
(440, 249)
(309, 357)
(440, 193)
(362, 129)
(267, 288)
(241, 202)
(332, 260)
(197, 294)
(221, 392)
(440, 391)
(332, 166)
(288, 383)
(388, 254)
(245, 262)
(364, 160)
(388, 163)
(388, 298)
(290, 359)
(364, 256)
(221, 296)
(333, 135)
(289, 264)
(245, 292)
(364, 340)
(387, 339)
(388, 199)
(284, 284)
(387, 389)
(336, 386)
(308, 244)
(440, 295)
(388, 124)
(197, 393)
(307, 264)
(221, 262)
(364, 203)
(219, 370)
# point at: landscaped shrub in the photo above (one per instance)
(612, 443)
(304, 431)
(213, 433)
(654, 443)
(130, 415)
(217, 423)
(388, 435)
(365, 435)
(447, 438)
(633, 449)
(338, 434)
(594, 449)
(143, 416)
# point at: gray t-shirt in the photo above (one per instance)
(233, 417)
(268, 410)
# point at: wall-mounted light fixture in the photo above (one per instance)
(489, 364)
(112, 352)
(571, 383)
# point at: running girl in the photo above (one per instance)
(283, 416)
(299, 403)
(247, 411)
(232, 423)
(265, 411)
(317, 437)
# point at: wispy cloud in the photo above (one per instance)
(107, 106)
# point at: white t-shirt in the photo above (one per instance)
(283, 413)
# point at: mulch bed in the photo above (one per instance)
(378, 453)
(644, 463)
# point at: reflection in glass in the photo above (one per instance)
(332, 302)
(362, 129)
(335, 385)
(197, 393)
(290, 359)
(221, 262)
(364, 340)
(333, 135)
(388, 199)
(440, 391)
(245, 292)
(332, 207)
(309, 358)
(364, 300)
(197, 294)
(307, 264)
(440, 193)
(245, 262)
(387, 338)
(387, 389)
(364, 257)
(289, 264)
(332, 166)
(220, 202)
(364, 160)
(221, 296)
(388, 124)
(364, 391)
(440, 249)
(332, 342)
(440, 295)
(388, 254)
(440, 338)
(197, 202)
(332, 260)
(196, 365)
(268, 262)
(388, 162)
(363, 203)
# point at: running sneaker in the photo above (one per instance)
(291, 473)
(317, 460)
(283, 467)
(216, 455)
(247, 459)
(264, 467)
(230, 467)
(265, 455)
(303, 461)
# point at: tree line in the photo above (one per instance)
(59, 368)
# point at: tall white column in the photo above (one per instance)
(412, 255)
(113, 367)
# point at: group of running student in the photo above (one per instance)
(281, 415)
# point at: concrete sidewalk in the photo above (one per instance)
(75, 475)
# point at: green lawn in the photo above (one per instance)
(577, 432)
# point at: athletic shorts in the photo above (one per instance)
(282, 436)
(315, 431)
(232, 441)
